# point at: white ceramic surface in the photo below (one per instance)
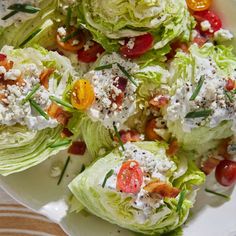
(211, 216)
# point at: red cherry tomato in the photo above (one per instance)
(226, 173)
(2, 57)
(230, 84)
(130, 177)
(142, 44)
(90, 55)
(199, 5)
(210, 16)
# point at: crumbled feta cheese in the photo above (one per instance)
(88, 44)
(75, 42)
(205, 25)
(61, 31)
(131, 43)
(2, 70)
(12, 74)
(223, 35)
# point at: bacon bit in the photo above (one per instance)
(129, 136)
(159, 101)
(150, 133)
(77, 148)
(223, 148)
(230, 85)
(175, 46)
(163, 189)
(209, 165)
(200, 40)
(2, 96)
(173, 148)
(66, 133)
(19, 82)
(59, 114)
(119, 100)
(7, 64)
(44, 76)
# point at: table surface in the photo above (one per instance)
(17, 220)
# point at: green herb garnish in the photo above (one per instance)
(218, 194)
(181, 200)
(108, 175)
(30, 37)
(108, 66)
(129, 77)
(12, 13)
(59, 101)
(70, 36)
(118, 136)
(199, 114)
(68, 17)
(82, 168)
(38, 109)
(60, 143)
(198, 88)
(63, 171)
(229, 95)
(31, 94)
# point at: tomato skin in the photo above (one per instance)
(142, 44)
(213, 19)
(230, 84)
(77, 148)
(90, 55)
(226, 173)
(199, 5)
(2, 57)
(130, 177)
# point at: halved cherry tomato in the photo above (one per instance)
(150, 133)
(142, 44)
(173, 148)
(226, 173)
(77, 148)
(90, 55)
(73, 44)
(162, 188)
(130, 177)
(82, 96)
(210, 16)
(44, 76)
(199, 5)
(230, 84)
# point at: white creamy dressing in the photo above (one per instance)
(223, 35)
(211, 96)
(20, 16)
(152, 167)
(104, 109)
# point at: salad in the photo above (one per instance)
(146, 89)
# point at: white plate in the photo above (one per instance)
(211, 216)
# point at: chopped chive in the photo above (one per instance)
(38, 109)
(229, 96)
(31, 94)
(129, 77)
(82, 168)
(60, 143)
(24, 8)
(70, 36)
(118, 136)
(218, 194)
(68, 17)
(108, 175)
(181, 200)
(12, 13)
(108, 66)
(198, 88)
(64, 170)
(59, 101)
(199, 114)
(30, 37)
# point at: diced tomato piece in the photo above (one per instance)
(66, 133)
(130, 177)
(173, 148)
(230, 84)
(44, 76)
(90, 55)
(163, 189)
(142, 44)
(209, 165)
(129, 136)
(159, 101)
(77, 148)
(150, 133)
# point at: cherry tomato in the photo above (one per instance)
(142, 44)
(230, 84)
(150, 130)
(213, 19)
(130, 177)
(90, 55)
(226, 173)
(73, 44)
(82, 95)
(199, 5)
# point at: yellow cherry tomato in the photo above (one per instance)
(82, 96)
(199, 5)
